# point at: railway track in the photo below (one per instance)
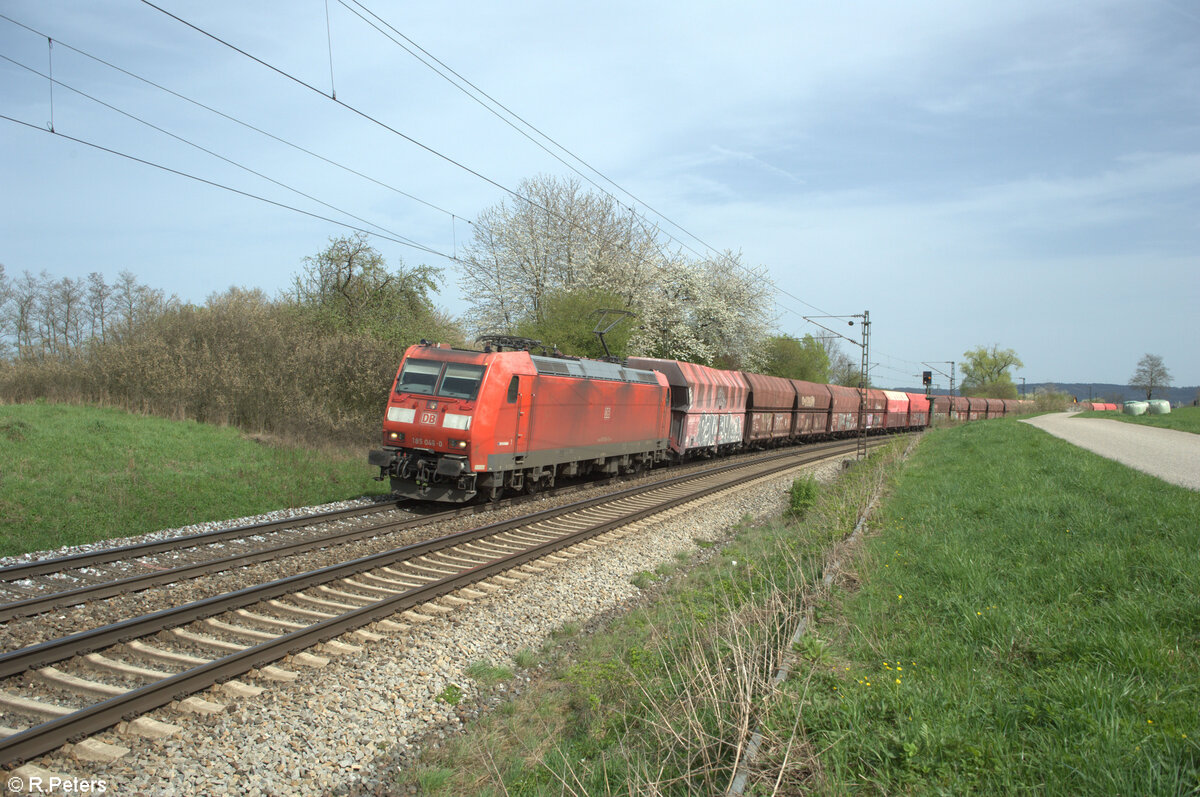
(30, 588)
(75, 686)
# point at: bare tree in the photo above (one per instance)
(25, 293)
(125, 292)
(349, 287)
(6, 292)
(136, 304)
(1150, 374)
(99, 305)
(68, 296)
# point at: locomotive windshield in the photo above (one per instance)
(430, 377)
(460, 381)
(418, 376)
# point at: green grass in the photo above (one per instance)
(451, 694)
(1183, 419)
(1027, 622)
(71, 475)
(488, 674)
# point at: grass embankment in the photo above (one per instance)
(1183, 419)
(1026, 622)
(658, 702)
(1025, 617)
(71, 475)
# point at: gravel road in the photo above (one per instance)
(1170, 455)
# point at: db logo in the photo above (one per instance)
(429, 417)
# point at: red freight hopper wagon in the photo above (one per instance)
(769, 406)
(918, 410)
(897, 408)
(941, 408)
(708, 406)
(876, 409)
(960, 408)
(463, 422)
(844, 415)
(976, 408)
(995, 408)
(813, 402)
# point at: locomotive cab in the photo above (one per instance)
(427, 428)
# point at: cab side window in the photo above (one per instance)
(512, 390)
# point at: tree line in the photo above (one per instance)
(312, 363)
(43, 317)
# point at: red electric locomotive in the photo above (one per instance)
(459, 423)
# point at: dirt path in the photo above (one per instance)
(1170, 455)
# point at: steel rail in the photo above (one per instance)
(76, 561)
(37, 604)
(48, 736)
(107, 589)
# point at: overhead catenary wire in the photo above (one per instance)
(214, 184)
(237, 121)
(203, 149)
(441, 65)
(347, 106)
(453, 257)
(364, 115)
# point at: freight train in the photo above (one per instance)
(461, 423)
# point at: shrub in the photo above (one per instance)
(803, 495)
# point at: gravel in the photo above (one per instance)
(344, 727)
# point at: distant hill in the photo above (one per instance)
(1082, 390)
(1097, 391)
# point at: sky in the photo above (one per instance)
(1024, 173)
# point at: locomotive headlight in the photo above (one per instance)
(401, 414)
(396, 437)
(455, 421)
(457, 443)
